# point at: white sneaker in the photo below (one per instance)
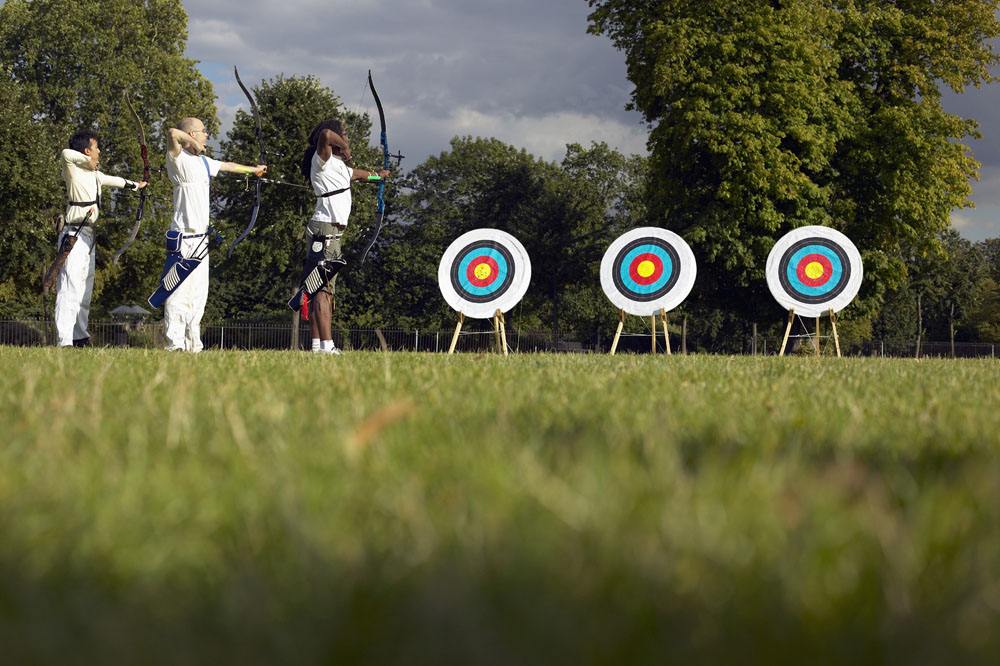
(334, 351)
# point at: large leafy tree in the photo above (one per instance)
(771, 115)
(68, 65)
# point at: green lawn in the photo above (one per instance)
(279, 507)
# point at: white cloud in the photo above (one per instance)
(213, 36)
(543, 136)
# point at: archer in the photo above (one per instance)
(184, 281)
(75, 260)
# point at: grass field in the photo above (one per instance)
(410, 508)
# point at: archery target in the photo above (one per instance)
(483, 271)
(646, 270)
(813, 270)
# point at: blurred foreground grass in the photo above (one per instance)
(276, 507)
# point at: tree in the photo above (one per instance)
(26, 206)
(964, 279)
(986, 318)
(61, 75)
(943, 289)
(771, 115)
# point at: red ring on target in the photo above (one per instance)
(633, 269)
(470, 272)
(816, 258)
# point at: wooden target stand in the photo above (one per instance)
(661, 315)
(499, 333)
(816, 338)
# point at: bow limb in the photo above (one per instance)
(262, 159)
(380, 194)
(140, 209)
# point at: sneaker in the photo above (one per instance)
(334, 351)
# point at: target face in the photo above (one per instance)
(813, 270)
(646, 270)
(483, 271)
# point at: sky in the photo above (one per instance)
(523, 71)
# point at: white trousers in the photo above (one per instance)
(74, 289)
(183, 310)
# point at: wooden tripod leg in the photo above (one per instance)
(503, 333)
(788, 329)
(618, 333)
(666, 334)
(458, 329)
(818, 348)
(652, 323)
(496, 330)
(836, 338)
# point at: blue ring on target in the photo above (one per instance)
(498, 280)
(646, 245)
(794, 287)
(645, 289)
(504, 278)
(836, 264)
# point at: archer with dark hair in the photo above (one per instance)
(324, 163)
(337, 127)
(80, 141)
(75, 262)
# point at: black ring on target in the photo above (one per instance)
(830, 255)
(501, 268)
(657, 248)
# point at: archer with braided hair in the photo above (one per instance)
(324, 163)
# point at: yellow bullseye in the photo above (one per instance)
(814, 270)
(645, 268)
(483, 271)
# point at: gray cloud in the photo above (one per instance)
(521, 70)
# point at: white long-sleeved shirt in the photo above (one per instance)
(84, 184)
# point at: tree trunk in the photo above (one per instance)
(951, 329)
(920, 324)
(554, 295)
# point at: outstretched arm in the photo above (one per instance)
(361, 174)
(233, 167)
(117, 181)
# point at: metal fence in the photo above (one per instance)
(279, 335)
(804, 346)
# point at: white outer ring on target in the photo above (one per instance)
(841, 300)
(507, 300)
(687, 272)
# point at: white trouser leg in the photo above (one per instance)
(74, 289)
(199, 296)
(81, 330)
(183, 310)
